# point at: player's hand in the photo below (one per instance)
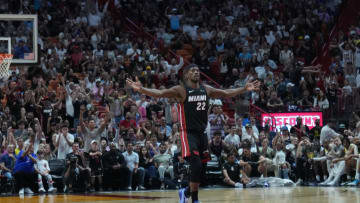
(253, 86)
(135, 85)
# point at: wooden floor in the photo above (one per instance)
(253, 195)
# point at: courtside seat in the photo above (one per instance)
(57, 170)
(213, 171)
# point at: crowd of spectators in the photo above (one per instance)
(75, 106)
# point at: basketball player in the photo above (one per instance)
(193, 103)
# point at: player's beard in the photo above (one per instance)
(194, 80)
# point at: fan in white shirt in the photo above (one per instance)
(286, 55)
(328, 132)
(250, 135)
(232, 138)
(173, 66)
(64, 141)
(43, 169)
(95, 17)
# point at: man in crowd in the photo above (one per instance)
(116, 172)
(232, 172)
(64, 142)
(328, 132)
(76, 170)
(132, 161)
(163, 161)
(91, 133)
(251, 162)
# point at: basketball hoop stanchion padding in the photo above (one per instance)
(5, 61)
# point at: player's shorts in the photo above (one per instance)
(194, 144)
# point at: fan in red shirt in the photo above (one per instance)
(127, 123)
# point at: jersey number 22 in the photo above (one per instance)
(201, 106)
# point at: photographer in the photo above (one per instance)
(76, 169)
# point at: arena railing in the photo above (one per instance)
(256, 112)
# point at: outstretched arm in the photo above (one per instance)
(219, 93)
(173, 92)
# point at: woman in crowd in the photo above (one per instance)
(146, 161)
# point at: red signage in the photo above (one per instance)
(289, 119)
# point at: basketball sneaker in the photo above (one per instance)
(354, 183)
(182, 197)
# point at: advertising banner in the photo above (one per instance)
(289, 119)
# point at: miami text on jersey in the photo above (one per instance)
(197, 98)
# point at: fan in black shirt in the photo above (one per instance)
(252, 162)
(299, 129)
(232, 171)
(95, 164)
(115, 169)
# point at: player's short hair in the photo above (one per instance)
(188, 67)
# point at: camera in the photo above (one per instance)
(73, 159)
(185, 169)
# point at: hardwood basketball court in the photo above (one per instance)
(252, 195)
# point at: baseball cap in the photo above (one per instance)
(94, 141)
(217, 102)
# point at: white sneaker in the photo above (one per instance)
(42, 190)
(327, 181)
(239, 185)
(162, 187)
(28, 191)
(52, 189)
(21, 191)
